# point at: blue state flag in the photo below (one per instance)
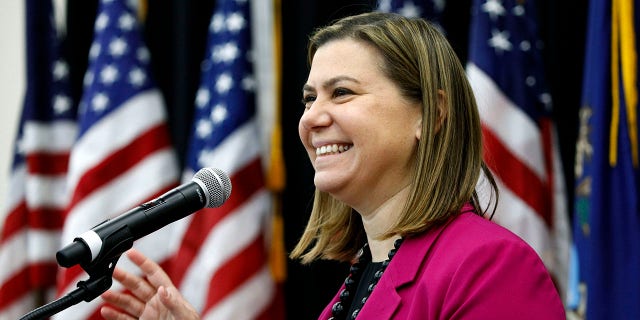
(607, 215)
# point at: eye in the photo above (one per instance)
(307, 100)
(339, 92)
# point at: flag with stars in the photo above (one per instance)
(607, 168)
(122, 155)
(505, 69)
(431, 10)
(34, 211)
(222, 263)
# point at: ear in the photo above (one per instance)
(418, 127)
(442, 109)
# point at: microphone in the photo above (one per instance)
(209, 188)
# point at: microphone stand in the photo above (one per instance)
(100, 279)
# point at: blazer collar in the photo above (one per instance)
(402, 270)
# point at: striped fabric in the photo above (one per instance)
(122, 156)
(34, 212)
(505, 69)
(222, 262)
(76, 168)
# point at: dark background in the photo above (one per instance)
(176, 31)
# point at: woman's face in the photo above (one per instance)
(359, 132)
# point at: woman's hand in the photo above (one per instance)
(152, 298)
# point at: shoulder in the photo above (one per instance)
(462, 237)
(471, 242)
(479, 227)
(468, 232)
(477, 269)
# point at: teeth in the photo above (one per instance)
(329, 149)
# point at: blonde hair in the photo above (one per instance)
(420, 61)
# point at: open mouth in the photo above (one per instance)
(332, 149)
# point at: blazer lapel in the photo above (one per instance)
(402, 270)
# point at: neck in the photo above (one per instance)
(377, 222)
(380, 248)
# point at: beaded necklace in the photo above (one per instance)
(340, 309)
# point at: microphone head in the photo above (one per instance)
(217, 185)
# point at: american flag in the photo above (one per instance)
(431, 10)
(122, 155)
(222, 263)
(505, 68)
(35, 205)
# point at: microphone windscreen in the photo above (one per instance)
(217, 184)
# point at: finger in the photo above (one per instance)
(156, 276)
(125, 302)
(109, 313)
(176, 304)
(142, 289)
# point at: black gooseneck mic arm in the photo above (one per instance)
(100, 279)
(100, 272)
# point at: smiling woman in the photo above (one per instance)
(393, 133)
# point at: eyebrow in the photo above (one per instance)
(331, 82)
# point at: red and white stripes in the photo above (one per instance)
(523, 155)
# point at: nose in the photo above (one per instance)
(316, 116)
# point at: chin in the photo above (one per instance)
(326, 184)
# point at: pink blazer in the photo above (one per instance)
(469, 268)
